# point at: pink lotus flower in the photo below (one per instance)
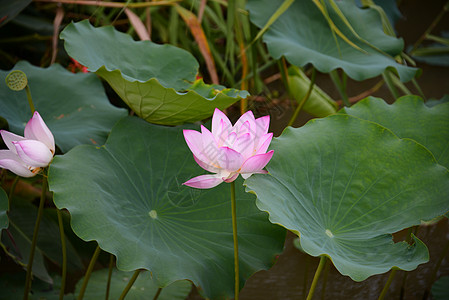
(230, 150)
(27, 155)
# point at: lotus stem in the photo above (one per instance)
(389, 81)
(11, 191)
(418, 88)
(306, 277)
(320, 268)
(303, 100)
(13, 187)
(340, 87)
(108, 284)
(34, 240)
(282, 66)
(30, 100)
(129, 285)
(430, 28)
(159, 290)
(236, 245)
(325, 275)
(387, 284)
(64, 255)
(88, 272)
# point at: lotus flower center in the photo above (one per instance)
(329, 233)
(153, 214)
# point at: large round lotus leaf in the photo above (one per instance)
(303, 35)
(143, 288)
(410, 118)
(74, 106)
(156, 81)
(128, 196)
(3, 209)
(344, 185)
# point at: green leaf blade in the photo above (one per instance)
(143, 288)
(410, 118)
(346, 187)
(313, 41)
(157, 81)
(76, 113)
(134, 205)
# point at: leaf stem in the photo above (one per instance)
(13, 187)
(387, 284)
(306, 277)
(303, 100)
(159, 290)
(432, 25)
(108, 284)
(340, 87)
(34, 240)
(324, 282)
(389, 81)
(88, 272)
(129, 285)
(30, 100)
(282, 65)
(236, 245)
(11, 191)
(320, 268)
(418, 88)
(64, 255)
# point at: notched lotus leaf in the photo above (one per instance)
(143, 288)
(345, 185)
(133, 203)
(312, 41)
(409, 117)
(156, 81)
(74, 106)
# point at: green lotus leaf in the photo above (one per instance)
(303, 35)
(127, 195)
(4, 207)
(11, 285)
(345, 185)
(143, 288)
(156, 81)
(17, 242)
(409, 117)
(440, 290)
(436, 54)
(432, 101)
(74, 106)
(9, 10)
(391, 10)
